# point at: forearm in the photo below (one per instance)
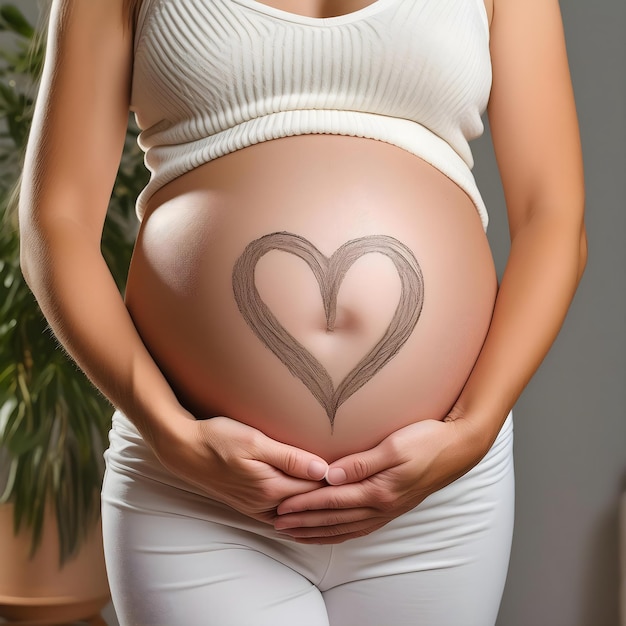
(225, 459)
(64, 268)
(546, 261)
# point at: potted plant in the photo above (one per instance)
(53, 422)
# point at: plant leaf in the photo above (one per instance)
(12, 19)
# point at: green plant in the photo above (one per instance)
(53, 422)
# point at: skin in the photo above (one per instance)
(85, 94)
(196, 227)
(329, 273)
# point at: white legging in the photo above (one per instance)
(177, 558)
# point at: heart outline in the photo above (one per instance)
(329, 273)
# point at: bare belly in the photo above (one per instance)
(326, 290)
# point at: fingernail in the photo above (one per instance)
(317, 470)
(336, 476)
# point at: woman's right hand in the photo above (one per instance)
(67, 182)
(238, 465)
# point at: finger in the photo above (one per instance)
(350, 496)
(267, 486)
(335, 534)
(319, 519)
(285, 487)
(359, 466)
(291, 460)
(337, 538)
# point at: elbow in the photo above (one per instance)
(34, 247)
(25, 259)
(26, 232)
(583, 252)
(31, 249)
(25, 250)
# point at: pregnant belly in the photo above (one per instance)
(326, 290)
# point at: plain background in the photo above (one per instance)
(570, 426)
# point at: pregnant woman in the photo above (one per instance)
(314, 365)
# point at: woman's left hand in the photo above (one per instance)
(368, 489)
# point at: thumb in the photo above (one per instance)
(359, 466)
(291, 460)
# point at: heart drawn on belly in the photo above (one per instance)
(329, 273)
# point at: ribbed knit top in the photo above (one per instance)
(214, 76)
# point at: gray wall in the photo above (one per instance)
(570, 423)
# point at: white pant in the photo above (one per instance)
(177, 558)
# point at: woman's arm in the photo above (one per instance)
(534, 126)
(71, 162)
(536, 139)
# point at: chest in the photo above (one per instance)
(319, 9)
(402, 58)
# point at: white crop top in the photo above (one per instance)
(214, 76)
